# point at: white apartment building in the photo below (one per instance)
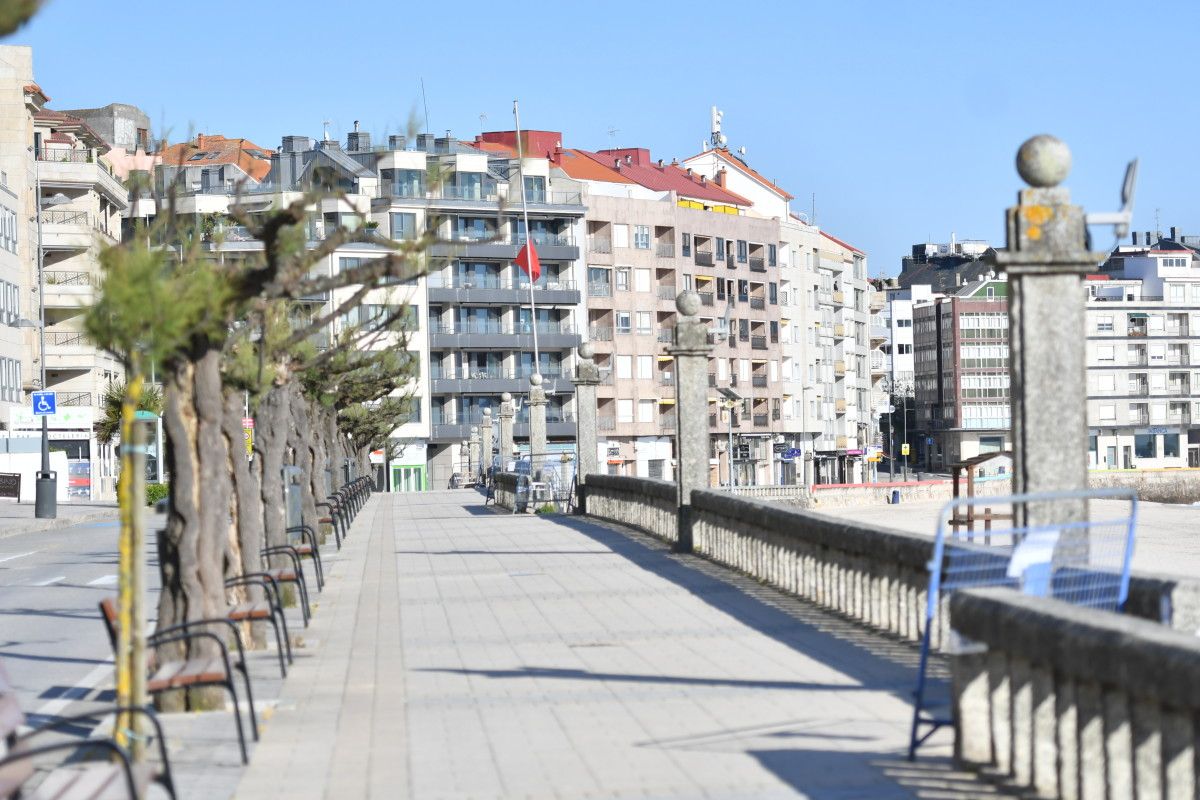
(1143, 359)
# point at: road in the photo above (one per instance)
(52, 642)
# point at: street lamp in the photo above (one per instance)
(45, 499)
(732, 399)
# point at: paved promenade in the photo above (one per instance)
(463, 653)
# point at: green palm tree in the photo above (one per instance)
(109, 423)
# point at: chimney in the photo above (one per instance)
(296, 144)
(1135, 238)
(358, 140)
(660, 163)
(200, 141)
(628, 158)
(1148, 242)
(617, 164)
(425, 142)
(703, 180)
(689, 172)
(397, 142)
(719, 180)
(1174, 234)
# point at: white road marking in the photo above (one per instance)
(17, 555)
(52, 580)
(104, 580)
(52, 707)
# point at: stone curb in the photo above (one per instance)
(37, 525)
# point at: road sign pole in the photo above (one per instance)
(45, 504)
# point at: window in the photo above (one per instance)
(1170, 446)
(625, 367)
(1144, 445)
(720, 289)
(535, 188)
(774, 331)
(645, 368)
(744, 330)
(641, 280)
(623, 279)
(906, 349)
(620, 235)
(641, 237)
(1106, 383)
(624, 323)
(685, 244)
(624, 411)
(404, 182)
(743, 250)
(720, 249)
(772, 255)
(773, 293)
(645, 411)
(1175, 291)
(1104, 323)
(654, 468)
(1108, 412)
(687, 283)
(404, 226)
(903, 323)
(643, 322)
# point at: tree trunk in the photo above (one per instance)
(270, 449)
(300, 435)
(336, 449)
(193, 547)
(247, 511)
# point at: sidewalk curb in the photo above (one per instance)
(38, 525)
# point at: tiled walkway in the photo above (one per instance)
(463, 653)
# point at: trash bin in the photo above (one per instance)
(895, 497)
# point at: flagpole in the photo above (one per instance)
(528, 235)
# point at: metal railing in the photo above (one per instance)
(760, 420)
(74, 398)
(66, 218)
(599, 244)
(600, 333)
(665, 250)
(706, 298)
(65, 155)
(704, 259)
(606, 423)
(68, 278)
(600, 290)
(758, 303)
(758, 342)
(757, 265)
(544, 239)
(758, 381)
(668, 293)
(666, 335)
(666, 423)
(501, 328)
(66, 338)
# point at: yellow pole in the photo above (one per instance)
(131, 615)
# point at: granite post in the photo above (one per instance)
(473, 454)
(587, 378)
(690, 349)
(485, 443)
(537, 426)
(1046, 259)
(506, 430)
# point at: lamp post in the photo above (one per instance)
(732, 399)
(45, 499)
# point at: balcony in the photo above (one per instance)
(704, 259)
(838, 298)
(706, 298)
(757, 264)
(880, 333)
(841, 442)
(666, 422)
(880, 363)
(664, 250)
(1137, 359)
(600, 333)
(1139, 419)
(491, 246)
(839, 329)
(496, 381)
(712, 379)
(71, 230)
(666, 335)
(1138, 389)
(839, 368)
(758, 303)
(668, 293)
(606, 422)
(877, 302)
(599, 244)
(760, 420)
(70, 350)
(839, 406)
(504, 292)
(75, 169)
(69, 289)
(758, 381)
(495, 336)
(74, 398)
(666, 378)
(599, 290)
(758, 342)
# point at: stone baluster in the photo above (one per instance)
(537, 426)
(485, 442)
(587, 378)
(690, 349)
(506, 429)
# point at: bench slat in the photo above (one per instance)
(250, 610)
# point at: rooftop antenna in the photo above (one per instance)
(482, 119)
(325, 123)
(1120, 220)
(612, 135)
(814, 208)
(425, 104)
(717, 139)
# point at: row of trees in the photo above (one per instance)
(227, 335)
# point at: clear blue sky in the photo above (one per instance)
(903, 118)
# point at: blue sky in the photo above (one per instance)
(902, 118)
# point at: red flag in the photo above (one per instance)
(528, 261)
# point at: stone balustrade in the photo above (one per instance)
(505, 490)
(1069, 702)
(644, 503)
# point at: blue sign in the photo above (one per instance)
(791, 452)
(44, 404)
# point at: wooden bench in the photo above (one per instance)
(117, 778)
(193, 673)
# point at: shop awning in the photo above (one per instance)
(666, 401)
(1138, 315)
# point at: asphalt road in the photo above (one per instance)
(53, 644)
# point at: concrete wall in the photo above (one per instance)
(1157, 485)
(1070, 702)
(643, 503)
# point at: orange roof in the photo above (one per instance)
(494, 147)
(582, 167)
(836, 240)
(33, 88)
(255, 161)
(745, 169)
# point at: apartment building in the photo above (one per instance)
(19, 99)
(893, 363)
(829, 398)
(1143, 313)
(961, 377)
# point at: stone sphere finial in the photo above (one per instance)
(506, 397)
(535, 379)
(586, 351)
(487, 414)
(688, 303)
(1044, 161)
(474, 429)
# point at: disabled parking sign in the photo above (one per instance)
(44, 403)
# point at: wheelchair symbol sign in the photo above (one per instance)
(44, 403)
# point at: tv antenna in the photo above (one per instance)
(1120, 220)
(325, 123)
(612, 135)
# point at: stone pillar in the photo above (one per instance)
(587, 378)
(690, 349)
(1046, 259)
(473, 454)
(506, 429)
(537, 426)
(485, 442)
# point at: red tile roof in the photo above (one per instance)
(836, 240)
(581, 166)
(635, 164)
(59, 121)
(33, 88)
(228, 151)
(741, 166)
